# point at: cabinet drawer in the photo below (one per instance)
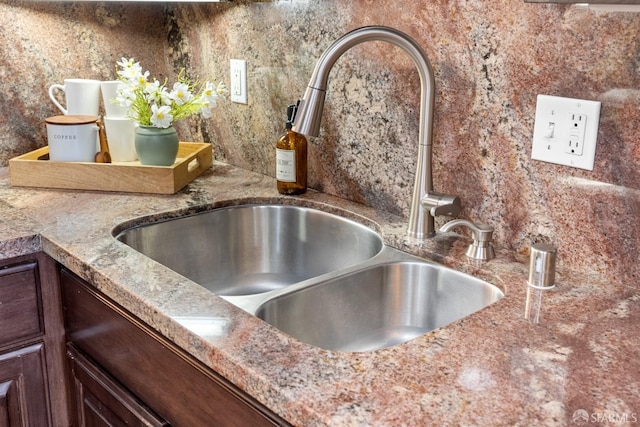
(20, 304)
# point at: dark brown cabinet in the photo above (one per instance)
(32, 379)
(122, 368)
(98, 365)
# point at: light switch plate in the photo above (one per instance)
(238, 71)
(566, 131)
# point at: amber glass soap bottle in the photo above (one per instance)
(291, 158)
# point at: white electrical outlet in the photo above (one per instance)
(566, 131)
(238, 71)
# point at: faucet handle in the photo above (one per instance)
(481, 247)
(441, 204)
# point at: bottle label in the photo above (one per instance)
(285, 165)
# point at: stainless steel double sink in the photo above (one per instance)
(324, 279)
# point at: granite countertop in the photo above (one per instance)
(491, 368)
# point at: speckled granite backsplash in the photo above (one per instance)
(491, 59)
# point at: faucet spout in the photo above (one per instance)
(309, 116)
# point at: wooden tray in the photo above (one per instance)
(30, 170)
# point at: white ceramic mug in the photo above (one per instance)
(72, 138)
(81, 96)
(109, 94)
(121, 134)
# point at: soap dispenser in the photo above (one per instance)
(291, 158)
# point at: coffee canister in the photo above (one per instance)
(72, 138)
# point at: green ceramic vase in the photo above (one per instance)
(156, 146)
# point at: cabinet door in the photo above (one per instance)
(101, 401)
(23, 397)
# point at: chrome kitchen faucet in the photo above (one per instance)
(426, 203)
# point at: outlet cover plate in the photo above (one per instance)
(566, 131)
(238, 71)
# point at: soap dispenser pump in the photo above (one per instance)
(291, 158)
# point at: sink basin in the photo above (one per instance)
(323, 279)
(251, 249)
(378, 306)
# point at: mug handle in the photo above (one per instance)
(53, 98)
